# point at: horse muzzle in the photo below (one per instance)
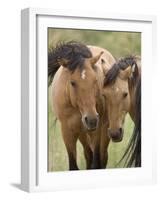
(116, 135)
(91, 123)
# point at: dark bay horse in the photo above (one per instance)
(77, 72)
(122, 92)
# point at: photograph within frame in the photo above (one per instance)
(124, 47)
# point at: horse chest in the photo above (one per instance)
(72, 118)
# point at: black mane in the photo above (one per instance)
(122, 64)
(74, 52)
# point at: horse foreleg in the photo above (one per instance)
(87, 150)
(104, 146)
(96, 164)
(104, 158)
(95, 141)
(70, 143)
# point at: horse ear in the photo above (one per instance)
(94, 59)
(64, 62)
(126, 73)
(135, 70)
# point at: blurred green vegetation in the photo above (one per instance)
(119, 44)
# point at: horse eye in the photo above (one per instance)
(102, 61)
(73, 83)
(125, 94)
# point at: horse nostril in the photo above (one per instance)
(120, 130)
(116, 135)
(86, 119)
(91, 122)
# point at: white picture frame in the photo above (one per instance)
(34, 175)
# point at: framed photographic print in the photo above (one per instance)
(86, 106)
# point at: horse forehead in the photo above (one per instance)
(120, 85)
(115, 90)
(87, 74)
(83, 74)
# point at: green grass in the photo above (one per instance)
(119, 44)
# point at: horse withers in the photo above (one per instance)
(78, 73)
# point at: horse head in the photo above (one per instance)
(83, 89)
(83, 86)
(117, 93)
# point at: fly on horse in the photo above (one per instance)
(122, 92)
(77, 73)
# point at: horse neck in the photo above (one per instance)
(100, 99)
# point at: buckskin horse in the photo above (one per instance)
(122, 93)
(77, 73)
